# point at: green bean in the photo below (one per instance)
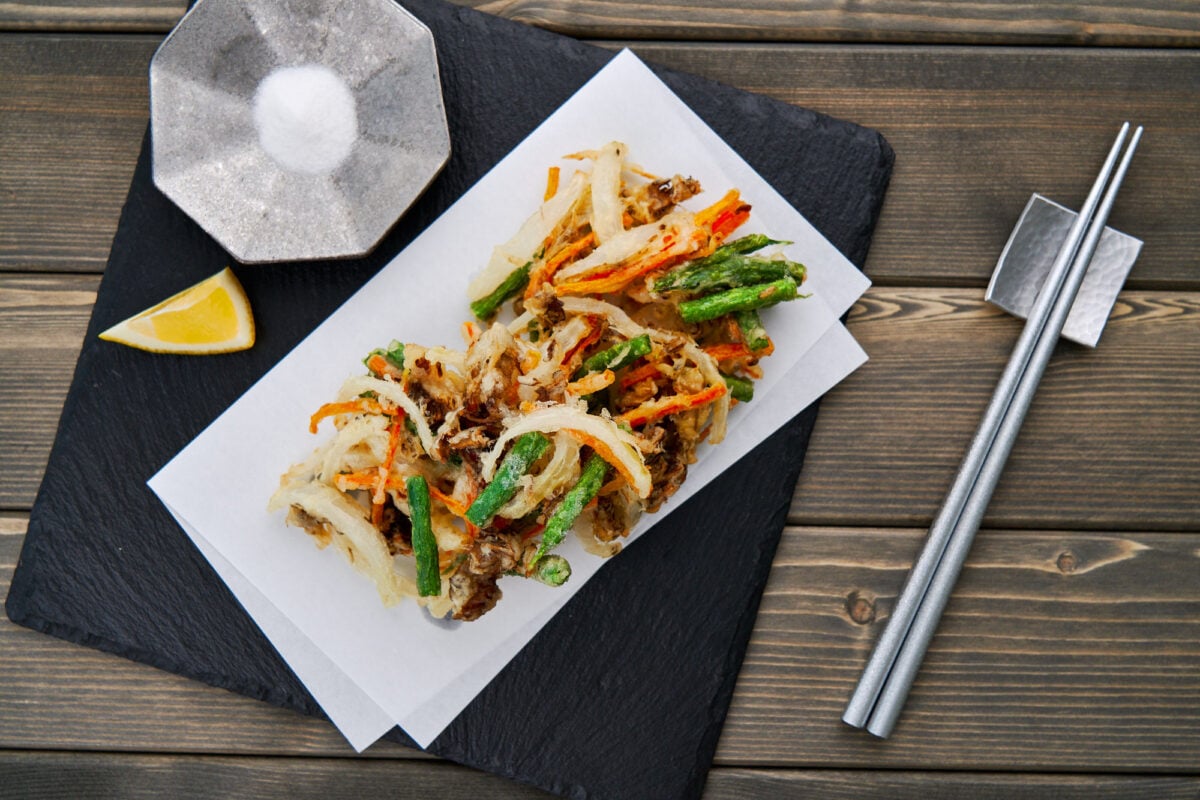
(743, 298)
(619, 355)
(740, 389)
(424, 544)
(736, 271)
(552, 570)
(738, 247)
(527, 449)
(485, 307)
(753, 332)
(572, 504)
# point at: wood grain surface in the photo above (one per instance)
(1104, 628)
(127, 777)
(1072, 22)
(1068, 662)
(978, 130)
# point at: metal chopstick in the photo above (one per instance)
(904, 670)
(921, 631)
(875, 675)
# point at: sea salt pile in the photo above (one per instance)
(306, 118)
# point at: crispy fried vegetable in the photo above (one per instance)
(731, 272)
(424, 544)
(572, 505)
(621, 354)
(552, 570)
(743, 298)
(444, 470)
(520, 458)
(485, 307)
(753, 332)
(741, 389)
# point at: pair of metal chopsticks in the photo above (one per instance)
(893, 665)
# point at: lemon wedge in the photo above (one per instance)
(211, 317)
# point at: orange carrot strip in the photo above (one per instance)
(365, 479)
(591, 383)
(705, 217)
(587, 341)
(362, 405)
(654, 410)
(455, 507)
(545, 272)
(551, 183)
(724, 352)
(385, 470)
(639, 374)
(381, 366)
(728, 222)
(620, 278)
(604, 451)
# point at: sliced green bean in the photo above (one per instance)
(485, 307)
(424, 544)
(743, 298)
(753, 332)
(572, 505)
(619, 355)
(524, 452)
(736, 271)
(552, 570)
(737, 247)
(740, 389)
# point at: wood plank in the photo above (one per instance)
(74, 111)
(1060, 651)
(1109, 442)
(911, 21)
(90, 16)
(976, 131)
(36, 775)
(42, 323)
(1068, 22)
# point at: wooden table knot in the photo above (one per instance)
(1067, 562)
(861, 607)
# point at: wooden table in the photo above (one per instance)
(1068, 663)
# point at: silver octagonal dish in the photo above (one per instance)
(296, 129)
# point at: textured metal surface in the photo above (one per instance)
(1029, 254)
(207, 154)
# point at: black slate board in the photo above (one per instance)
(634, 677)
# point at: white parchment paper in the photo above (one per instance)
(371, 667)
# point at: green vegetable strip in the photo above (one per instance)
(578, 496)
(393, 353)
(527, 449)
(485, 307)
(753, 332)
(741, 389)
(738, 247)
(552, 570)
(619, 355)
(743, 298)
(424, 545)
(736, 271)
